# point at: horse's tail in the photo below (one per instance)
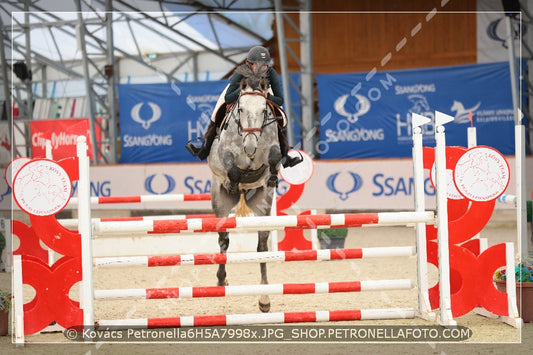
(242, 209)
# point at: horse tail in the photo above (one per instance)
(242, 209)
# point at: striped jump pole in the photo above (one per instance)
(253, 290)
(507, 199)
(261, 318)
(266, 256)
(144, 198)
(261, 223)
(73, 222)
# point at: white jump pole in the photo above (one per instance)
(18, 309)
(445, 304)
(261, 318)
(471, 134)
(254, 290)
(513, 318)
(424, 306)
(103, 200)
(49, 155)
(259, 223)
(521, 200)
(85, 230)
(254, 257)
(471, 137)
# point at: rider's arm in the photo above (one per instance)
(277, 96)
(234, 88)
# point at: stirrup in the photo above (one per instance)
(191, 148)
(292, 161)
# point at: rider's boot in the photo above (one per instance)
(203, 152)
(286, 159)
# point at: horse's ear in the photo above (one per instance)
(243, 84)
(263, 84)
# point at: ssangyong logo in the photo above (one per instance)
(162, 186)
(362, 106)
(136, 114)
(349, 183)
(147, 140)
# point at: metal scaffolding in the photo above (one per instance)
(98, 66)
(306, 120)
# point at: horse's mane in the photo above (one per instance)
(257, 80)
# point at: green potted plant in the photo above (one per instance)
(5, 307)
(523, 274)
(332, 238)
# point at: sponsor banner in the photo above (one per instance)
(368, 115)
(62, 134)
(376, 185)
(158, 119)
(492, 33)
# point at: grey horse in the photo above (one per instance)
(245, 159)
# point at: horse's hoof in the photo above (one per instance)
(264, 307)
(223, 283)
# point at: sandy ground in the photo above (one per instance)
(488, 335)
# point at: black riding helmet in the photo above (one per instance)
(259, 54)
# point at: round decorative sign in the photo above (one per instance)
(300, 173)
(12, 169)
(42, 187)
(482, 174)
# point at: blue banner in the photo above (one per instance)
(158, 119)
(368, 115)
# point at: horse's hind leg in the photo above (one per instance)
(264, 300)
(223, 242)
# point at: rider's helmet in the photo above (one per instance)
(259, 54)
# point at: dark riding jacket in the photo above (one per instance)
(234, 89)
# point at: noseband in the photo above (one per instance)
(266, 122)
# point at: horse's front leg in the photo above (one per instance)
(262, 245)
(233, 172)
(274, 158)
(223, 242)
(222, 203)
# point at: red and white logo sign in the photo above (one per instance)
(62, 134)
(481, 174)
(42, 187)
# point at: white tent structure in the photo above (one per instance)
(83, 48)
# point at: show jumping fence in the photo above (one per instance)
(89, 228)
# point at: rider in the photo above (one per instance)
(257, 56)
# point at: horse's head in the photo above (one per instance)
(252, 111)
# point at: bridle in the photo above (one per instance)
(255, 131)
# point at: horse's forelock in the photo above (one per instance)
(256, 80)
